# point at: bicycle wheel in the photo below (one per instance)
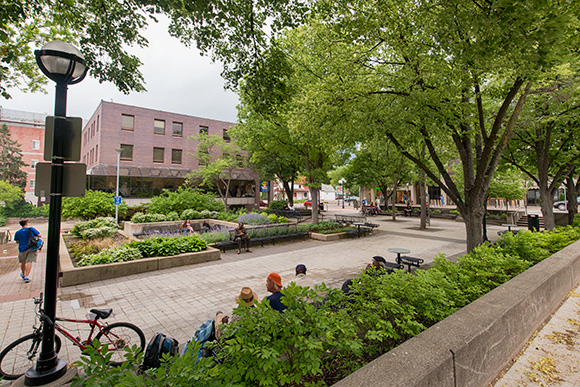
(19, 356)
(119, 336)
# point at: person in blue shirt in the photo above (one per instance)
(26, 255)
(274, 285)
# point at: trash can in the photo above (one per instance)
(321, 206)
(533, 222)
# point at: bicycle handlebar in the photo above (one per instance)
(38, 301)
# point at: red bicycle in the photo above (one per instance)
(19, 356)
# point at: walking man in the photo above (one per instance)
(26, 254)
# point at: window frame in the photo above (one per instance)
(37, 142)
(128, 146)
(155, 127)
(173, 151)
(204, 129)
(180, 131)
(132, 127)
(162, 155)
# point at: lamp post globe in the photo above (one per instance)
(65, 65)
(342, 181)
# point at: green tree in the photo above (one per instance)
(218, 160)
(545, 145)
(452, 76)
(9, 194)
(11, 159)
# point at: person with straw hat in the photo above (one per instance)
(247, 297)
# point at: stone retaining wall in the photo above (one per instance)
(71, 275)
(472, 346)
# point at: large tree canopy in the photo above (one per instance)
(450, 77)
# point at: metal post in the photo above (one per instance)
(49, 367)
(117, 191)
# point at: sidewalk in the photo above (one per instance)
(176, 301)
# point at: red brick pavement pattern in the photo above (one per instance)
(11, 285)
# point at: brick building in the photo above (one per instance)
(28, 130)
(155, 152)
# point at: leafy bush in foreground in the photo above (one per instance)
(181, 200)
(102, 227)
(324, 335)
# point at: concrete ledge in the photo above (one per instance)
(472, 346)
(328, 237)
(71, 275)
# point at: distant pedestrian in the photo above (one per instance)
(301, 278)
(26, 253)
(274, 285)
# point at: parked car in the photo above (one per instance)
(307, 202)
(351, 199)
(562, 205)
(263, 203)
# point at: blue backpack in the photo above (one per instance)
(159, 345)
(203, 334)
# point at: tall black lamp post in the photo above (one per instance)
(65, 65)
(342, 181)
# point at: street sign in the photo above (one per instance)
(74, 179)
(72, 128)
(118, 200)
(264, 186)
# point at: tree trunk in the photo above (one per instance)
(394, 202)
(473, 217)
(571, 197)
(314, 196)
(546, 204)
(289, 190)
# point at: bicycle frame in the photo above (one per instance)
(81, 344)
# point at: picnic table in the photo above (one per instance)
(405, 260)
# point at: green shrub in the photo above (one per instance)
(207, 214)
(162, 246)
(116, 254)
(435, 212)
(228, 216)
(277, 204)
(455, 212)
(106, 227)
(324, 225)
(24, 210)
(282, 219)
(92, 205)
(172, 216)
(140, 217)
(2, 220)
(273, 218)
(336, 230)
(190, 214)
(181, 200)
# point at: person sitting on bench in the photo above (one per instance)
(409, 208)
(241, 236)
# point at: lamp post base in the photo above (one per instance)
(34, 378)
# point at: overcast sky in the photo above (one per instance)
(178, 80)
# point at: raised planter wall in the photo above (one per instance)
(472, 346)
(71, 275)
(328, 237)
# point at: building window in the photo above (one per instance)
(96, 153)
(35, 145)
(33, 163)
(203, 129)
(158, 155)
(127, 122)
(226, 136)
(177, 129)
(176, 156)
(158, 126)
(32, 183)
(126, 152)
(98, 123)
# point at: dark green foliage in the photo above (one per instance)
(93, 204)
(25, 210)
(277, 204)
(162, 247)
(181, 200)
(324, 335)
(95, 228)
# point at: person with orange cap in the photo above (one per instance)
(274, 285)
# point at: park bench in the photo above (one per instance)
(264, 234)
(363, 226)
